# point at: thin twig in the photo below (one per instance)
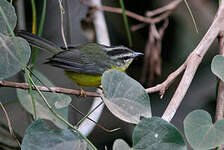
(25, 86)
(97, 124)
(5, 127)
(9, 124)
(169, 7)
(62, 11)
(138, 26)
(161, 88)
(89, 113)
(163, 11)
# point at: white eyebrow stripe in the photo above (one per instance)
(114, 48)
(121, 56)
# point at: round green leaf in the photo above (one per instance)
(217, 66)
(9, 14)
(201, 133)
(157, 134)
(39, 136)
(120, 144)
(125, 97)
(14, 54)
(59, 102)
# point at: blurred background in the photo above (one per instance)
(180, 38)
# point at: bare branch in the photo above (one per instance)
(163, 86)
(163, 11)
(220, 102)
(169, 7)
(138, 26)
(220, 97)
(62, 11)
(193, 62)
(25, 86)
(86, 116)
(9, 124)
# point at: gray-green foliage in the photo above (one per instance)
(217, 66)
(14, 51)
(201, 133)
(157, 134)
(120, 144)
(7, 11)
(39, 136)
(14, 54)
(59, 102)
(125, 97)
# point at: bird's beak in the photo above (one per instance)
(137, 54)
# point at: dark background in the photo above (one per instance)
(179, 40)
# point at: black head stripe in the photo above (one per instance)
(115, 51)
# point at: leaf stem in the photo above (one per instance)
(126, 23)
(60, 117)
(40, 29)
(192, 16)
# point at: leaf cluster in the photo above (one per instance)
(123, 96)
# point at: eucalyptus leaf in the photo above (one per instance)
(157, 134)
(125, 97)
(59, 102)
(39, 136)
(120, 144)
(14, 55)
(8, 14)
(201, 133)
(217, 66)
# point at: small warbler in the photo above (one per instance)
(84, 63)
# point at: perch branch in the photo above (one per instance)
(191, 65)
(25, 86)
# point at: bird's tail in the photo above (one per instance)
(39, 42)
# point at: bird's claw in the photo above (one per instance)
(82, 93)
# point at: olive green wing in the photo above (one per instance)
(87, 61)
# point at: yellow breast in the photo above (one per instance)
(90, 80)
(85, 79)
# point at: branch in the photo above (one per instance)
(152, 51)
(25, 86)
(161, 88)
(190, 66)
(171, 6)
(162, 12)
(220, 97)
(10, 125)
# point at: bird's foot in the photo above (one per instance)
(82, 93)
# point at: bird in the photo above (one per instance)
(84, 63)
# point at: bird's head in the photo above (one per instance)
(122, 55)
